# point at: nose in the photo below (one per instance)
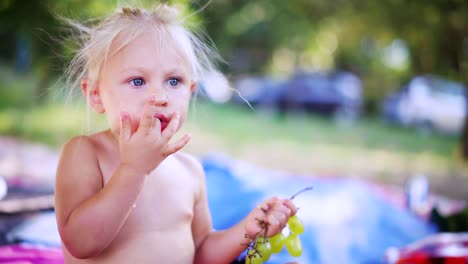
(160, 97)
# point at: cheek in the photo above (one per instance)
(135, 109)
(184, 111)
(135, 116)
(181, 122)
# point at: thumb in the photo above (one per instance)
(125, 127)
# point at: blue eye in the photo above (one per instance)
(173, 82)
(137, 82)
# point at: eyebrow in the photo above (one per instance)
(132, 69)
(169, 71)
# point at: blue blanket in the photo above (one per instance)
(346, 221)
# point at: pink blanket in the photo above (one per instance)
(29, 254)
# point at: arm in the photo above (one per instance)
(88, 215)
(211, 246)
(226, 245)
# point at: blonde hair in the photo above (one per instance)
(125, 25)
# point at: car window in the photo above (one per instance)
(447, 87)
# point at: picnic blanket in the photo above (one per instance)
(30, 254)
(347, 220)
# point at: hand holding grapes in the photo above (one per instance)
(270, 217)
(269, 238)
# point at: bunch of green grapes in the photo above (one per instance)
(261, 248)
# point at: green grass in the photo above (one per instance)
(49, 124)
(369, 133)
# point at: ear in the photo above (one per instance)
(193, 85)
(91, 91)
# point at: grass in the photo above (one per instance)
(300, 144)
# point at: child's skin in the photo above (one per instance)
(127, 194)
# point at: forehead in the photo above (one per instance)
(147, 50)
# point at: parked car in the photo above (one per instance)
(338, 94)
(255, 90)
(428, 102)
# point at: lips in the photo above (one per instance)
(163, 119)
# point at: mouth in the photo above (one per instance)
(163, 119)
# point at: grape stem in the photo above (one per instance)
(301, 191)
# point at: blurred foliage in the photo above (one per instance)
(38, 43)
(282, 36)
(269, 37)
(383, 42)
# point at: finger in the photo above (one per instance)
(156, 126)
(271, 202)
(274, 224)
(280, 212)
(279, 215)
(147, 119)
(263, 206)
(171, 128)
(174, 147)
(288, 203)
(125, 127)
(282, 209)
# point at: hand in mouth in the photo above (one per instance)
(163, 119)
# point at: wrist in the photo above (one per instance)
(132, 170)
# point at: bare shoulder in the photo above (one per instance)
(78, 174)
(79, 144)
(83, 148)
(79, 151)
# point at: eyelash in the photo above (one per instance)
(132, 82)
(174, 79)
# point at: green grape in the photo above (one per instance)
(277, 242)
(295, 225)
(253, 257)
(294, 245)
(263, 247)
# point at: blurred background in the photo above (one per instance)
(358, 88)
(373, 90)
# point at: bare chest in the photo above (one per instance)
(165, 203)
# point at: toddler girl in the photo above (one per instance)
(128, 194)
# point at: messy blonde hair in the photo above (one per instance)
(125, 25)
